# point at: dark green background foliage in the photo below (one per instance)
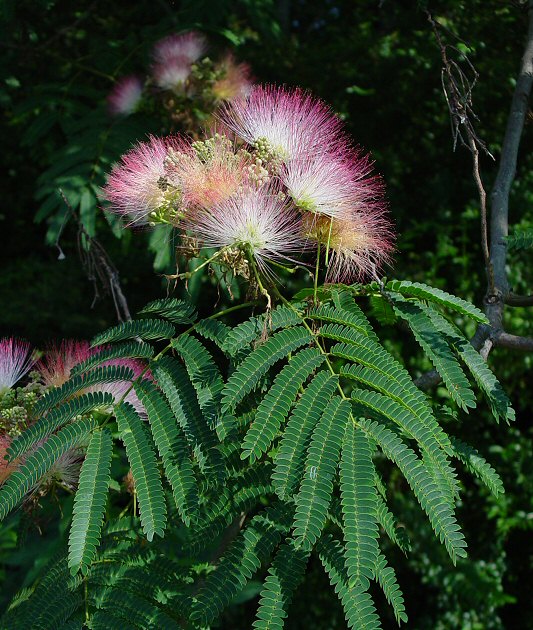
(378, 65)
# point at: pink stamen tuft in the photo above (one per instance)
(16, 361)
(291, 121)
(136, 186)
(190, 46)
(172, 74)
(125, 96)
(255, 221)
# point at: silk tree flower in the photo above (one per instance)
(334, 186)
(189, 46)
(16, 360)
(208, 172)
(125, 96)
(172, 74)
(235, 82)
(359, 245)
(58, 361)
(138, 187)
(257, 222)
(284, 123)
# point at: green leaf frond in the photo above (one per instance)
(176, 311)
(290, 458)
(247, 375)
(39, 462)
(173, 450)
(144, 469)
(438, 296)
(277, 403)
(314, 496)
(145, 329)
(56, 418)
(90, 500)
(126, 350)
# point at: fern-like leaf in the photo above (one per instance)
(204, 375)
(438, 296)
(284, 575)
(386, 577)
(290, 458)
(214, 330)
(27, 476)
(252, 547)
(176, 311)
(89, 503)
(478, 466)
(438, 351)
(487, 382)
(359, 609)
(57, 418)
(359, 501)
(96, 376)
(145, 329)
(152, 506)
(247, 375)
(180, 393)
(314, 497)
(435, 505)
(254, 328)
(387, 520)
(126, 350)
(276, 405)
(172, 446)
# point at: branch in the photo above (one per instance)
(500, 192)
(515, 342)
(513, 299)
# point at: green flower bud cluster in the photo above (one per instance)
(269, 156)
(16, 405)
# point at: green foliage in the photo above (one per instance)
(90, 501)
(265, 454)
(521, 239)
(148, 488)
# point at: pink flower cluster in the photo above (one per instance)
(171, 70)
(280, 178)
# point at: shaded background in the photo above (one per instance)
(378, 65)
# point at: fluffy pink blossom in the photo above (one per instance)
(125, 96)
(331, 185)
(58, 361)
(208, 172)
(236, 81)
(172, 74)
(16, 360)
(359, 245)
(255, 221)
(290, 122)
(190, 46)
(137, 185)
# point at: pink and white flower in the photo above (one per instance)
(257, 222)
(190, 46)
(359, 245)
(288, 123)
(172, 74)
(16, 360)
(328, 185)
(208, 172)
(125, 96)
(138, 184)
